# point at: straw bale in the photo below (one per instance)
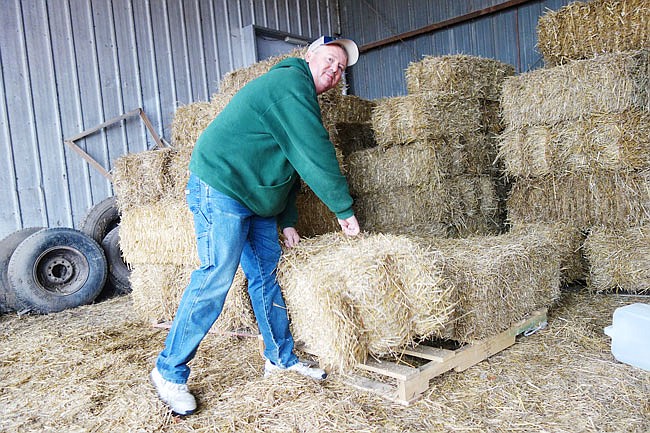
(602, 141)
(157, 291)
(159, 233)
(369, 295)
(609, 83)
(314, 217)
(582, 30)
(189, 122)
(141, 178)
(613, 199)
(352, 136)
(499, 280)
(381, 169)
(407, 210)
(619, 259)
(424, 116)
(419, 163)
(568, 240)
(461, 74)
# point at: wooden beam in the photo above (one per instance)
(442, 24)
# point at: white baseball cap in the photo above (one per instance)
(348, 45)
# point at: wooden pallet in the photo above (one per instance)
(413, 381)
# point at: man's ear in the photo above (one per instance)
(308, 55)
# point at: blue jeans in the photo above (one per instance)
(227, 234)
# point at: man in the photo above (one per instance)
(245, 171)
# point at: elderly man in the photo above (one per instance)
(245, 172)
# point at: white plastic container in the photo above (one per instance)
(630, 332)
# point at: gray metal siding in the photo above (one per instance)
(509, 35)
(69, 65)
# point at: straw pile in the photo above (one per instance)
(583, 30)
(373, 295)
(60, 373)
(618, 259)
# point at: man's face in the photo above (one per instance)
(327, 64)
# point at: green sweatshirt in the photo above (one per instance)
(270, 134)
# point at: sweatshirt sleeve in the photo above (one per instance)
(295, 121)
(289, 216)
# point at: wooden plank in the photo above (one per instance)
(389, 368)
(431, 353)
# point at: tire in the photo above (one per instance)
(55, 269)
(7, 247)
(101, 219)
(118, 272)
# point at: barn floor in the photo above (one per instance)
(85, 370)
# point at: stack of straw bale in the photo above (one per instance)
(576, 142)
(351, 298)
(583, 30)
(432, 169)
(157, 232)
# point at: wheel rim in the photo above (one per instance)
(61, 270)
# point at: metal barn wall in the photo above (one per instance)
(508, 35)
(69, 65)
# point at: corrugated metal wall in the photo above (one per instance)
(508, 35)
(69, 65)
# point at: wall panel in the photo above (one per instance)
(508, 35)
(69, 65)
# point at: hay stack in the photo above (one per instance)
(436, 150)
(460, 74)
(583, 30)
(618, 259)
(610, 83)
(576, 143)
(350, 298)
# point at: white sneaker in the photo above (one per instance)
(176, 395)
(300, 368)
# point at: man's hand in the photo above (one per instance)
(350, 226)
(291, 237)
